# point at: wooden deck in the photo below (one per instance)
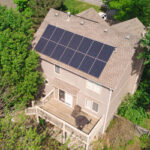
(64, 112)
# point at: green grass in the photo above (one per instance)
(146, 123)
(76, 6)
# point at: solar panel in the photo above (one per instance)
(85, 45)
(97, 68)
(58, 52)
(49, 48)
(41, 44)
(67, 56)
(74, 50)
(57, 34)
(86, 64)
(95, 49)
(66, 38)
(106, 52)
(75, 41)
(48, 32)
(76, 60)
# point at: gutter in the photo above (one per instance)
(106, 116)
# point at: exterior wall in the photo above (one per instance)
(78, 82)
(127, 84)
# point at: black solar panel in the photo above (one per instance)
(86, 64)
(67, 56)
(76, 60)
(41, 44)
(66, 38)
(75, 41)
(48, 32)
(57, 34)
(106, 52)
(58, 52)
(86, 43)
(95, 49)
(74, 50)
(97, 68)
(49, 48)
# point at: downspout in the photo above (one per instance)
(106, 116)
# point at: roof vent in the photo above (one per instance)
(82, 23)
(56, 14)
(127, 37)
(105, 30)
(68, 16)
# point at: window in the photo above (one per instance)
(66, 97)
(93, 86)
(61, 95)
(57, 69)
(92, 105)
(95, 107)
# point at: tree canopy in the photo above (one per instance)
(128, 9)
(19, 76)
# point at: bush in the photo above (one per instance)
(131, 111)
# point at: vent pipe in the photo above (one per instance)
(68, 16)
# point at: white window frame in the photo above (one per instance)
(91, 107)
(57, 69)
(93, 86)
(64, 99)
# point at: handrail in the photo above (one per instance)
(64, 122)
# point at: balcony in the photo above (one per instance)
(60, 115)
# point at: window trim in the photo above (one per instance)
(56, 66)
(91, 109)
(64, 100)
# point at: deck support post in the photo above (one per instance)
(87, 144)
(63, 136)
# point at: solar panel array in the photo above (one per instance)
(74, 50)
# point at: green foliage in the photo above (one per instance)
(145, 44)
(130, 110)
(15, 135)
(19, 77)
(21, 4)
(128, 9)
(145, 142)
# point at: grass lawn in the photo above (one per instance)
(76, 6)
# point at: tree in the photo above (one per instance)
(20, 79)
(128, 9)
(145, 44)
(37, 8)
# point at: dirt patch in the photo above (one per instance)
(8, 3)
(121, 133)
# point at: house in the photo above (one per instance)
(89, 67)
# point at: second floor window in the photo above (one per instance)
(57, 69)
(93, 86)
(91, 105)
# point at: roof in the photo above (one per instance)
(92, 15)
(132, 26)
(119, 60)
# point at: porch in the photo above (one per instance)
(60, 115)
